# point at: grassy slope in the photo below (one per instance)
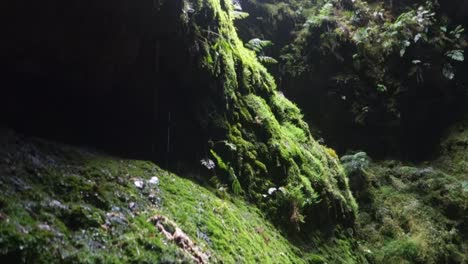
(60, 204)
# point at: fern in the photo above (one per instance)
(235, 184)
(258, 45)
(236, 187)
(457, 55)
(381, 88)
(215, 181)
(230, 145)
(240, 15)
(267, 60)
(219, 161)
(457, 32)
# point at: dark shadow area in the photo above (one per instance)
(426, 112)
(111, 75)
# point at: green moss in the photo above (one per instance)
(400, 251)
(40, 225)
(236, 231)
(404, 219)
(273, 145)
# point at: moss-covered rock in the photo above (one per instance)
(66, 205)
(261, 140)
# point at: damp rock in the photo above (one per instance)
(154, 199)
(44, 227)
(115, 218)
(154, 181)
(57, 205)
(132, 206)
(139, 184)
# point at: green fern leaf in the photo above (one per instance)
(457, 55)
(267, 60)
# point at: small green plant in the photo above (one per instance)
(456, 55)
(258, 45)
(358, 161)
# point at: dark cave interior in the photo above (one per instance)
(114, 83)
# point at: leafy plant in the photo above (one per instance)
(257, 45)
(376, 49)
(381, 88)
(457, 55)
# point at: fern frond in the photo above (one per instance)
(236, 187)
(257, 44)
(457, 55)
(267, 60)
(240, 15)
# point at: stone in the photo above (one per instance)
(139, 184)
(154, 180)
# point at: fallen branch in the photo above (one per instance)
(173, 233)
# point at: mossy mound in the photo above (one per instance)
(66, 205)
(409, 214)
(259, 140)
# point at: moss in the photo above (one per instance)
(331, 152)
(404, 219)
(400, 251)
(68, 226)
(273, 145)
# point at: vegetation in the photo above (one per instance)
(252, 184)
(258, 45)
(410, 214)
(375, 67)
(68, 205)
(370, 40)
(266, 142)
